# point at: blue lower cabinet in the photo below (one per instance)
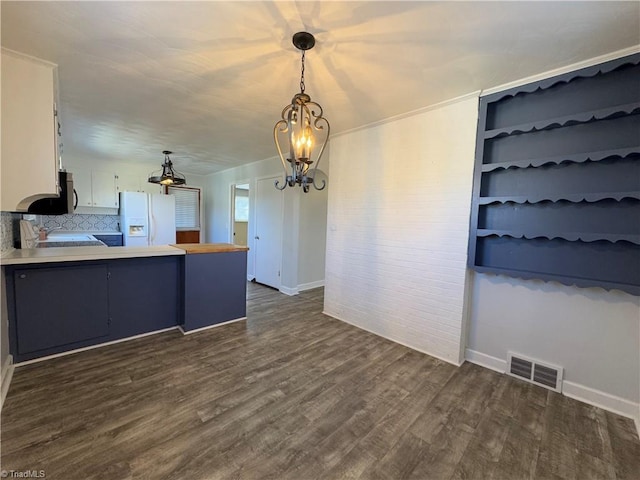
(144, 295)
(57, 309)
(110, 240)
(70, 305)
(215, 288)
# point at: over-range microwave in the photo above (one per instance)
(65, 203)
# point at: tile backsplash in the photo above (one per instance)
(79, 221)
(6, 230)
(10, 230)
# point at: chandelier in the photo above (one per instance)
(168, 176)
(302, 130)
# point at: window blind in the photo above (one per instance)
(187, 207)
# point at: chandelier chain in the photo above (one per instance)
(302, 74)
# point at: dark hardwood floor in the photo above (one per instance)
(293, 394)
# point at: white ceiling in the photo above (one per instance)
(208, 80)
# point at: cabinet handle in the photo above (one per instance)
(23, 275)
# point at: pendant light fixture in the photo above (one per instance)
(168, 176)
(302, 130)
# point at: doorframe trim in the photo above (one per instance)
(232, 207)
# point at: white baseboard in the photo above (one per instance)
(431, 354)
(486, 361)
(600, 399)
(310, 285)
(250, 278)
(91, 347)
(210, 326)
(289, 291)
(301, 288)
(7, 375)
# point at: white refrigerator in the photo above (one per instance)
(147, 219)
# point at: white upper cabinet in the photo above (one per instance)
(29, 154)
(95, 189)
(130, 182)
(104, 189)
(82, 186)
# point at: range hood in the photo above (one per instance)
(65, 203)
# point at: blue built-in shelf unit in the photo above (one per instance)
(556, 192)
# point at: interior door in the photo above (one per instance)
(268, 237)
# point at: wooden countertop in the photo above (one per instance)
(190, 248)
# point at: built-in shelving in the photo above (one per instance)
(557, 180)
(574, 197)
(580, 157)
(570, 236)
(567, 120)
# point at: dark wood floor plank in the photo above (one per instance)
(444, 453)
(346, 396)
(519, 455)
(350, 466)
(625, 447)
(556, 456)
(290, 393)
(399, 461)
(389, 429)
(481, 456)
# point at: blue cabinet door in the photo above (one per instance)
(59, 306)
(144, 295)
(215, 288)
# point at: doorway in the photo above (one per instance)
(268, 232)
(240, 214)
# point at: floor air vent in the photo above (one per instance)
(543, 374)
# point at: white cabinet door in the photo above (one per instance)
(104, 190)
(94, 188)
(28, 156)
(82, 186)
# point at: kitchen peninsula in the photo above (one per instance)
(66, 298)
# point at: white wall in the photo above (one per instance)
(592, 333)
(218, 201)
(312, 237)
(399, 203)
(304, 222)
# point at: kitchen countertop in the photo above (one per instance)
(190, 248)
(86, 232)
(73, 254)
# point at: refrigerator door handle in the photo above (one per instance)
(150, 220)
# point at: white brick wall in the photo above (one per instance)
(398, 225)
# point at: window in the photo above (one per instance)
(187, 207)
(242, 206)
